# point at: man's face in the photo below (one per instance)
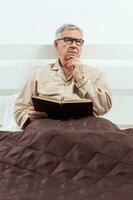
(67, 47)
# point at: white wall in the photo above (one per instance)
(35, 21)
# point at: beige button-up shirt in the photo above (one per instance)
(52, 82)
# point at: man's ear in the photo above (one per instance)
(56, 44)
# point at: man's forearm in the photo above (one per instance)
(100, 96)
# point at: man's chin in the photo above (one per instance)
(71, 57)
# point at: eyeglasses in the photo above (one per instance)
(70, 40)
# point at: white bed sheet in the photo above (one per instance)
(8, 121)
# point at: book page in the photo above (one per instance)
(51, 99)
(76, 100)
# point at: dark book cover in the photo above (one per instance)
(63, 109)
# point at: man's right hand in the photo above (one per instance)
(35, 114)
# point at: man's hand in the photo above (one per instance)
(73, 67)
(35, 114)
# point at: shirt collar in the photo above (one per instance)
(56, 66)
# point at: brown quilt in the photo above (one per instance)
(83, 159)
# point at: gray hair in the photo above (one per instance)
(66, 27)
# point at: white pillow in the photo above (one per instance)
(9, 123)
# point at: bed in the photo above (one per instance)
(88, 158)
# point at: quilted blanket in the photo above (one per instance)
(82, 159)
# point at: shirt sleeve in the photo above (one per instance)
(23, 102)
(96, 89)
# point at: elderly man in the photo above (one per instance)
(66, 78)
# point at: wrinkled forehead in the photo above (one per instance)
(72, 33)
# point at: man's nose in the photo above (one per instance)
(74, 44)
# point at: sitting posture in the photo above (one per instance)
(66, 78)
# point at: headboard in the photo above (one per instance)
(116, 61)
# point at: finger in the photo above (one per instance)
(31, 108)
(69, 64)
(36, 113)
(37, 117)
(72, 62)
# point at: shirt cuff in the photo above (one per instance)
(81, 83)
(26, 123)
(86, 86)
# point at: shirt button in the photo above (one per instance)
(62, 98)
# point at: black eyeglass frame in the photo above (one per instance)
(70, 40)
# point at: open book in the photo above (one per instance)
(70, 108)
